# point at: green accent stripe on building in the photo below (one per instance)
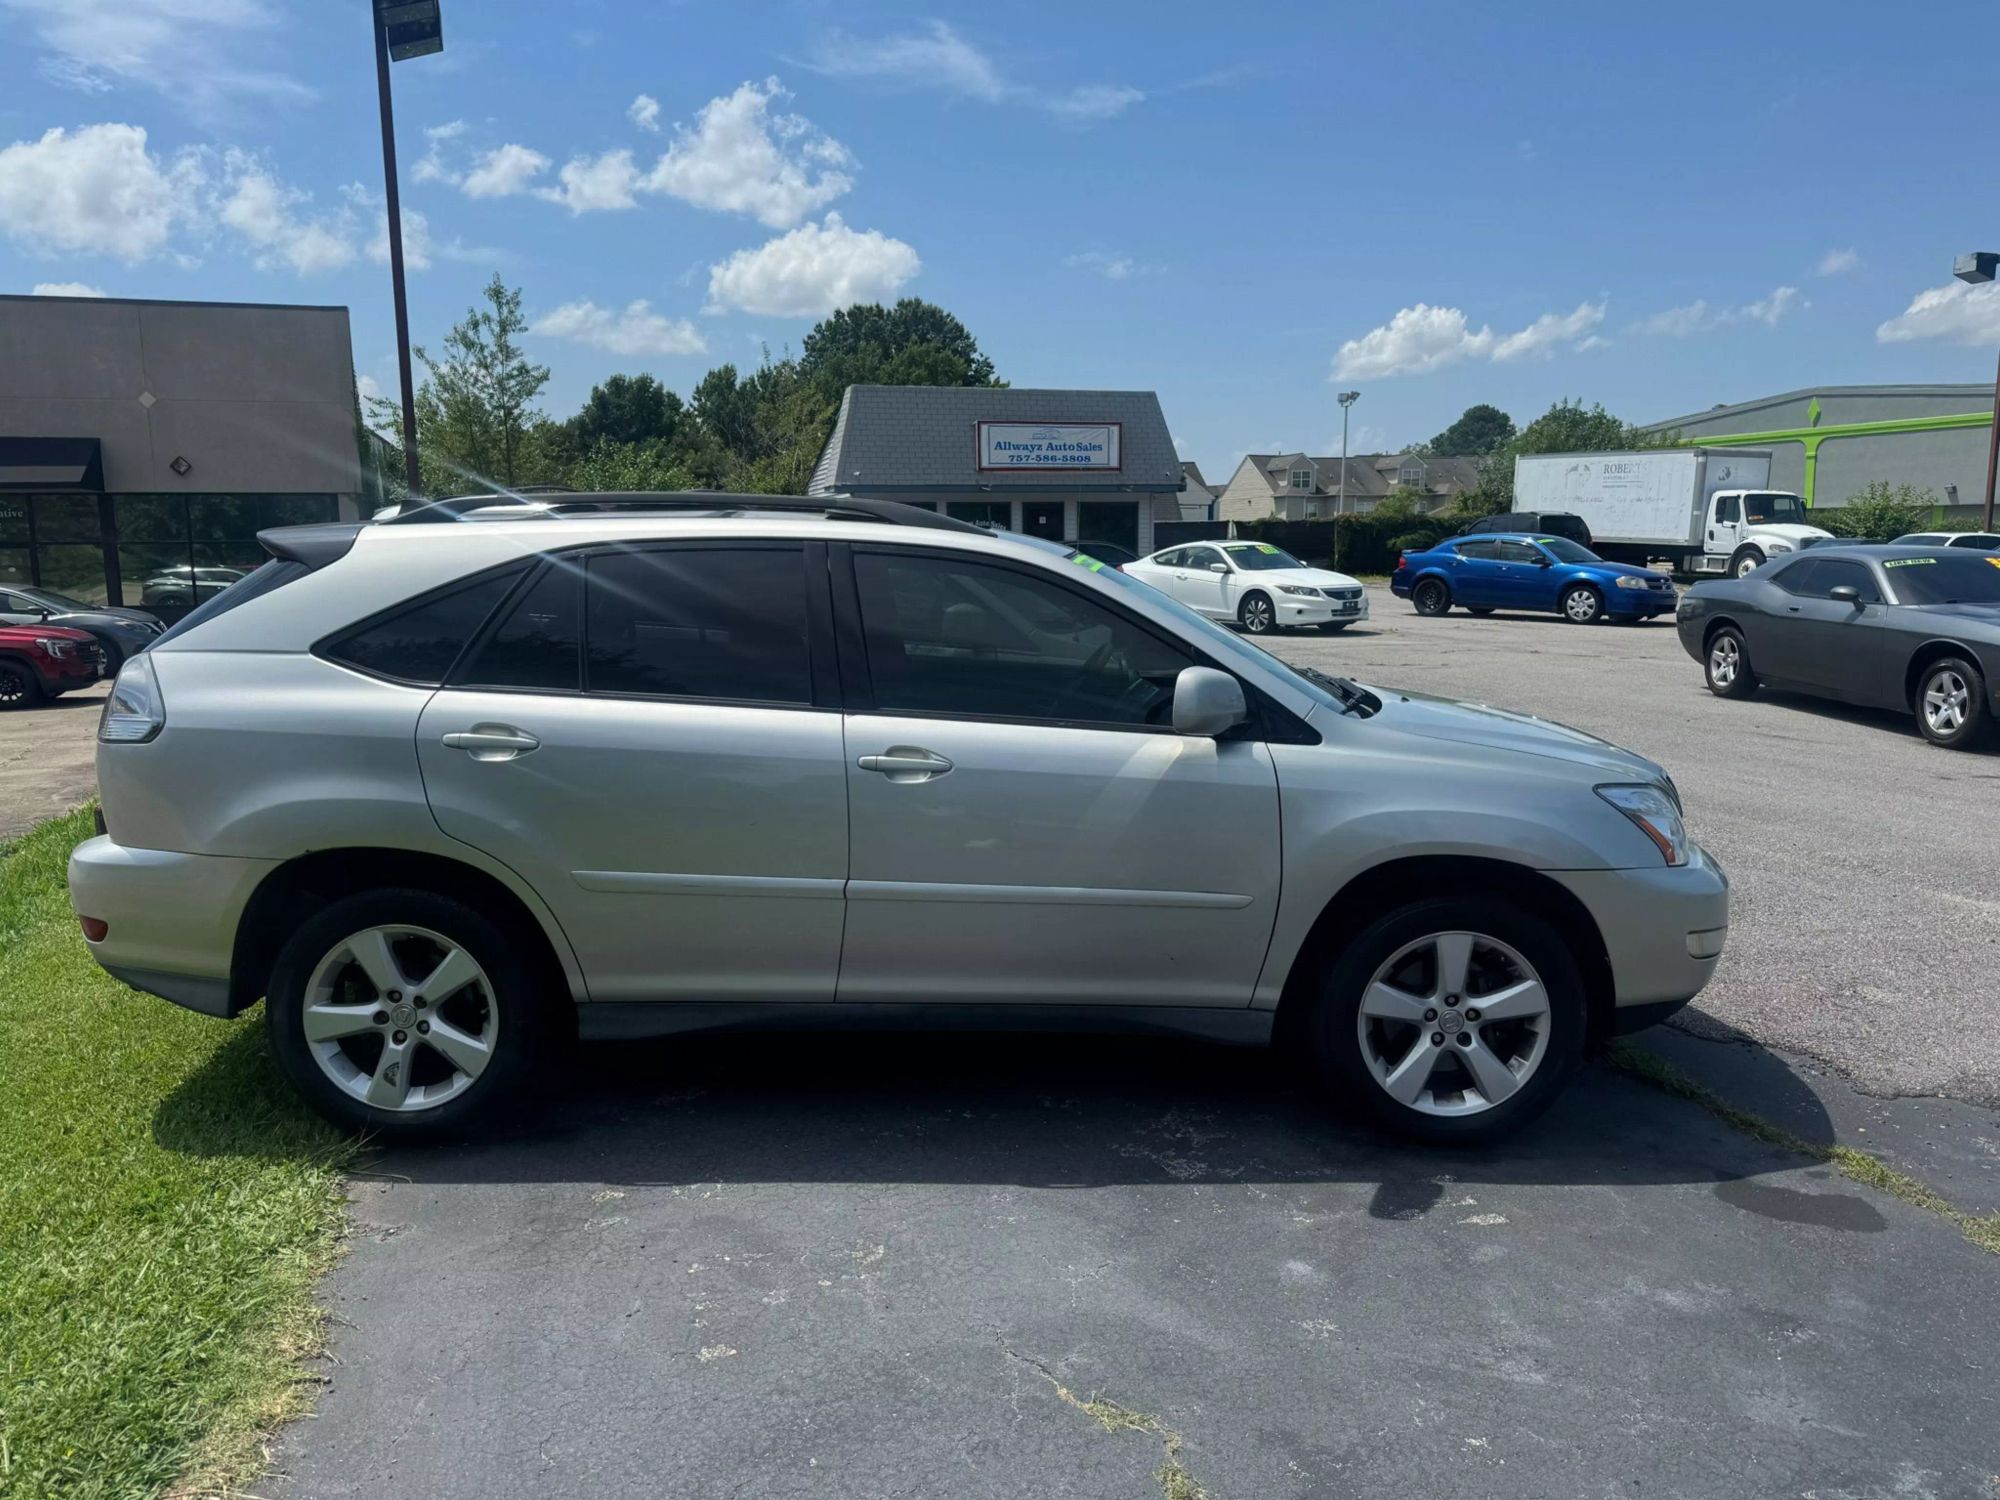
(1812, 437)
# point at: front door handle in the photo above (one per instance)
(905, 763)
(492, 741)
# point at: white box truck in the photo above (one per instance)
(1709, 510)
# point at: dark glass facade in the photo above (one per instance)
(165, 553)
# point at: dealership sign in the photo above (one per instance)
(1049, 445)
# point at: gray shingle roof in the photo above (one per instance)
(890, 438)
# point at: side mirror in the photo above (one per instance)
(1218, 567)
(1543, 562)
(1846, 593)
(1207, 702)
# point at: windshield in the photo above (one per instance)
(1772, 509)
(56, 601)
(1259, 557)
(1946, 579)
(1562, 549)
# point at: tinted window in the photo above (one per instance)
(1516, 552)
(1564, 550)
(1949, 578)
(1478, 551)
(1919, 539)
(539, 643)
(699, 622)
(1793, 575)
(1979, 539)
(1725, 508)
(953, 637)
(420, 642)
(1830, 573)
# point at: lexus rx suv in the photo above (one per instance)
(449, 789)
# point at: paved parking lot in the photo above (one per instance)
(48, 759)
(873, 1266)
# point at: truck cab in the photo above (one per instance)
(1747, 528)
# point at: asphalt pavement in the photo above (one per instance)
(48, 759)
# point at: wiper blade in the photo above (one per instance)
(1351, 694)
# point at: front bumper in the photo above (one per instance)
(1297, 611)
(1663, 929)
(170, 918)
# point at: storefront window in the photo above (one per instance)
(14, 539)
(998, 514)
(1114, 521)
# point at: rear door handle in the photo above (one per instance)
(492, 741)
(905, 763)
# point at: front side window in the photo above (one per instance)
(1829, 574)
(419, 643)
(1202, 557)
(715, 623)
(1725, 510)
(1517, 552)
(946, 636)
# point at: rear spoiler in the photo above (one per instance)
(314, 546)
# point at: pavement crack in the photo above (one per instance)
(1175, 1482)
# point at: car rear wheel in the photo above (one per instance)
(18, 687)
(1727, 664)
(1951, 704)
(1582, 605)
(1431, 597)
(404, 1012)
(1255, 614)
(1451, 1020)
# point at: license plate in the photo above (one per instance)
(1350, 606)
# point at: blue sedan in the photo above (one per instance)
(1519, 571)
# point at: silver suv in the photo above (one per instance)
(449, 794)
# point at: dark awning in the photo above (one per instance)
(51, 463)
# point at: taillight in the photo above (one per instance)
(94, 928)
(1402, 561)
(135, 712)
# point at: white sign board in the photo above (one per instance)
(1049, 445)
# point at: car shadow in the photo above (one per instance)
(1035, 1111)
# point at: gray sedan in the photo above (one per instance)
(1911, 628)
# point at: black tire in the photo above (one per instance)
(1954, 681)
(1431, 596)
(113, 657)
(1256, 614)
(1481, 609)
(1337, 1049)
(1572, 605)
(1725, 664)
(524, 1034)
(19, 687)
(1746, 561)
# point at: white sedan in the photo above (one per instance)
(1259, 586)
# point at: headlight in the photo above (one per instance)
(1777, 546)
(56, 646)
(1626, 581)
(1293, 588)
(1655, 813)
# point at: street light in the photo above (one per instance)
(1346, 399)
(403, 29)
(1977, 268)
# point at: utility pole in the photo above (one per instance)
(403, 28)
(1976, 268)
(1346, 400)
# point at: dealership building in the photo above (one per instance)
(1831, 442)
(143, 445)
(1093, 466)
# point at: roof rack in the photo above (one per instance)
(556, 506)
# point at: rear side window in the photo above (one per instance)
(1478, 551)
(717, 623)
(538, 643)
(419, 642)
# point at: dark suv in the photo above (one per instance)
(1536, 523)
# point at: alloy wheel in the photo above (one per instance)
(1257, 614)
(400, 1018)
(1454, 1024)
(1724, 658)
(13, 687)
(1947, 702)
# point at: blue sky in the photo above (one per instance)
(1242, 207)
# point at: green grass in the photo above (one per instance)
(165, 1207)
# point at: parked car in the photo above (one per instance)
(45, 661)
(1913, 629)
(1259, 586)
(1109, 553)
(442, 793)
(120, 632)
(181, 586)
(1540, 573)
(1534, 522)
(1984, 541)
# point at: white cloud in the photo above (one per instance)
(589, 186)
(740, 157)
(1423, 338)
(813, 270)
(503, 171)
(416, 231)
(1835, 262)
(203, 54)
(369, 387)
(1699, 316)
(936, 57)
(431, 165)
(635, 331)
(644, 112)
(67, 289)
(96, 190)
(1113, 265)
(1958, 312)
(268, 216)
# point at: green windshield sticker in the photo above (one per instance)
(1266, 547)
(1087, 562)
(1911, 562)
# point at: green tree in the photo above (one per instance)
(1480, 430)
(1567, 427)
(627, 409)
(1880, 513)
(913, 343)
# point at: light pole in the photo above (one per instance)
(1346, 400)
(403, 29)
(1976, 268)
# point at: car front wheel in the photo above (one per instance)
(1451, 1020)
(1951, 704)
(1256, 616)
(1582, 605)
(18, 687)
(1746, 561)
(405, 1012)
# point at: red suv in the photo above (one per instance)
(40, 661)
